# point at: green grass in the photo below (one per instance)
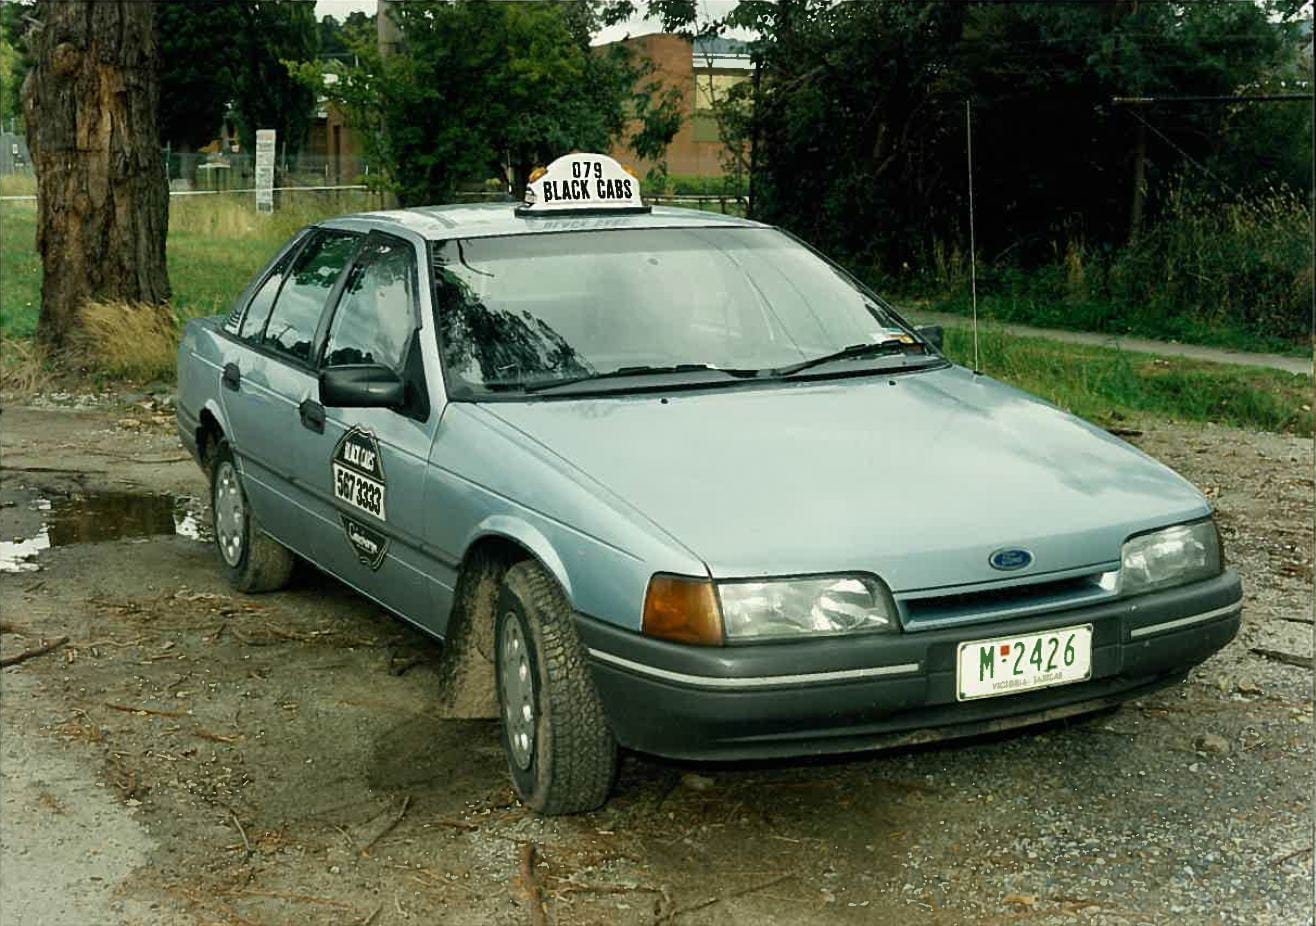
(20, 270)
(1113, 387)
(216, 244)
(1024, 309)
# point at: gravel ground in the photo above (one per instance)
(194, 756)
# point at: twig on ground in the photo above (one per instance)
(388, 828)
(1294, 854)
(691, 908)
(457, 824)
(214, 737)
(1298, 620)
(32, 653)
(1292, 659)
(286, 895)
(530, 886)
(144, 710)
(401, 668)
(246, 843)
(370, 917)
(48, 469)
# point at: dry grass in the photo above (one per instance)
(128, 341)
(24, 366)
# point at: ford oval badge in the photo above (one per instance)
(1010, 559)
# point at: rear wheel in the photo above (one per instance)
(253, 561)
(559, 747)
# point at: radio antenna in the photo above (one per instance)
(973, 257)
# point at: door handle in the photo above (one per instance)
(231, 376)
(312, 414)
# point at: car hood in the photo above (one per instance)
(918, 478)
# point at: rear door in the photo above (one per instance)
(369, 474)
(270, 386)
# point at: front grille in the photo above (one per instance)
(1000, 603)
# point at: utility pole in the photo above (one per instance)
(389, 36)
(386, 29)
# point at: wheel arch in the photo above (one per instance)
(210, 430)
(466, 669)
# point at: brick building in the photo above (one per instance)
(703, 71)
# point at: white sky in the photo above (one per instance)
(636, 25)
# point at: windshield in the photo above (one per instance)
(530, 311)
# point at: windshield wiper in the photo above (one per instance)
(876, 349)
(624, 372)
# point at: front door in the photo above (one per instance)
(270, 383)
(370, 477)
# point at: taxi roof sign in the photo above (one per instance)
(583, 183)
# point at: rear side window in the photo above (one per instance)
(296, 315)
(376, 314)
(253, 308)
(258, 310)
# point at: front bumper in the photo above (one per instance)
(849, 694)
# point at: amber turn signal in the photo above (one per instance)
(683, 610)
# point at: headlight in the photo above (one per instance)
(806, 607)
(1173, 556)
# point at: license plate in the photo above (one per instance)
(1009, 665)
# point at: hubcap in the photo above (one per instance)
(230, 513)
(518, 690)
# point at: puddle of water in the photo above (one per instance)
(101, 516)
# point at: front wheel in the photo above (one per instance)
(559, 747)
(253, 561)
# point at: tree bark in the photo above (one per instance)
(91, 103)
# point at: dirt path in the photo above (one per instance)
(192, 756)
(1296, 365)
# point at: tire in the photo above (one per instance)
(252, 560)
(562, 756)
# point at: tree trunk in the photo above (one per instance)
(90, 102)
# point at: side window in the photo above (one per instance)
(376, 314)
(248, 317)
(258, 310)
(296, 315)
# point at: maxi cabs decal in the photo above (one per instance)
(358, 481)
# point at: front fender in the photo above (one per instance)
(528, 536)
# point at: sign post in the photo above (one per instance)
(265, 170)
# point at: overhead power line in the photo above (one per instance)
(1241, 98)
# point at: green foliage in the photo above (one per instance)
(266, 92)
(233, 52)
(9, 82)
(336, 38)
(859, 119)
(484, 89)
(197, 68)
(1231, 273)
(13, 58)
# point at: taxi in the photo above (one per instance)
(673, 481)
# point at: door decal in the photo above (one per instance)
(370, 545)
(358, 473)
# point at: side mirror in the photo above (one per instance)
(933, 334)
(362, 385)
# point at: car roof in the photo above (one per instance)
(496, 219)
